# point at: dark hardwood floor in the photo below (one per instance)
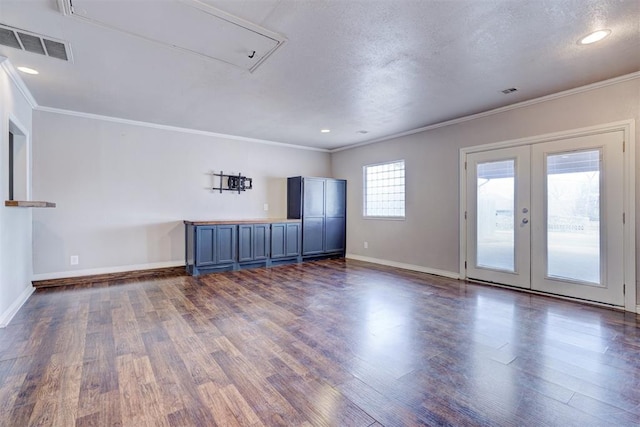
(339, 343)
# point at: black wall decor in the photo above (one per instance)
(237, 183)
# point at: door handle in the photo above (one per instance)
(525, 221)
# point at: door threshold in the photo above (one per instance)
(548, 294)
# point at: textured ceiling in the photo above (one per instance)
(381, 66)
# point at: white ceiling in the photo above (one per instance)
(384, 66)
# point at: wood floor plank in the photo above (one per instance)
(222, 414)
(265, 400)
(239, 407)
(318, 400)
(384, 408)
(334, 342)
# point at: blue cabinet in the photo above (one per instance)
(219, 246)
(253, 243)
(321, 204)
(285, 241)
(210, 247)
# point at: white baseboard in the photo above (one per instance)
(638, 309)
(6, 317)
(106, 270)
(404, 266)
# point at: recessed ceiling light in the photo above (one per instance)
(363, 131)
(596, 36)
(28, 70)
(325, 130)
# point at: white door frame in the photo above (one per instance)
(628, 129)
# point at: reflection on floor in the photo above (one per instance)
(324, 343)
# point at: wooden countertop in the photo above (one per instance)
(242, 221)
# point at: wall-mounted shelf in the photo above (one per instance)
(28, 204)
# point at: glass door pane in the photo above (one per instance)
(498, 237)
(573, 216)
(494, 214)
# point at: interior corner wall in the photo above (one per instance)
(123, 190)
(429, 237)
(15, 223)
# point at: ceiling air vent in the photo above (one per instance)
(508, 91)
(34, 43)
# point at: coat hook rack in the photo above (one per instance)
(237, 183)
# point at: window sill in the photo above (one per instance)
(386, 218)
(28, 204)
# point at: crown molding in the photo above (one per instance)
(13, 74)
(17, 80)
(173, 128)
(516, 106)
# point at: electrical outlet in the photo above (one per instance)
(366, 245)
(74, 260)
(266, 207)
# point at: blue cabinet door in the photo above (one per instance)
(205, 246)
(313, 195)
(245, 242)
(225, 244)
(261, 241)
(335, 234)
(336, 191)
(313, 236)
(278, 240)
(294, 237)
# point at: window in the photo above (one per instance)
(384, 190)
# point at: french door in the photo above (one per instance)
(549, 217)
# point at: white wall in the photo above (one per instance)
(429, 237)
(123, 190)
(15, 223)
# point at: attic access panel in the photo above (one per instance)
(188, 25)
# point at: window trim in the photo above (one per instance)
(364, 192)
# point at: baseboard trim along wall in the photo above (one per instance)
(109, 273)
(107, 277)
(106, 270)
(6, 317)
(404, 266)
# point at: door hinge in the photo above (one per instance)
(623, 145)
(465, 214)
(624, 218)
(465, 165)
(465, 265)
(624, 289)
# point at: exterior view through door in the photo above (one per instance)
(548, 217)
